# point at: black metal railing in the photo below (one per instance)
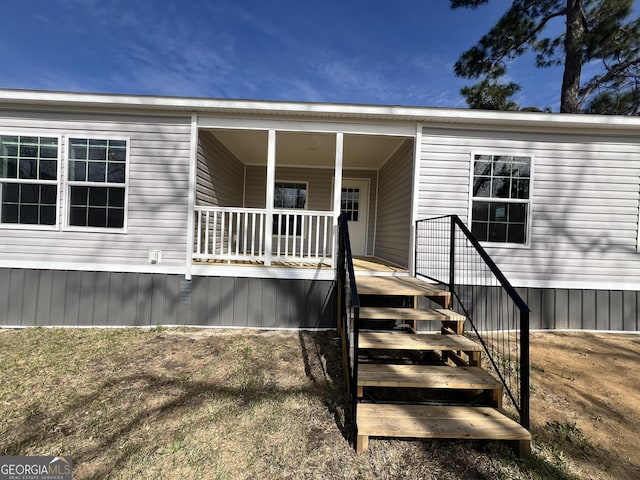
(448, 253)
(348, 306)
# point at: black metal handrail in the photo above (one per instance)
(348, 311)
(448, 253)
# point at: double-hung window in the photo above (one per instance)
(29, 180)
(289, 196)
(500, 202)
(97, 177)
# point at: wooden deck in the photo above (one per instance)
(375, 265)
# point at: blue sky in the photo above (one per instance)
(399, 53)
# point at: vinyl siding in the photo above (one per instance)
(157, 191)
(394, 206)
(74, 298)
(585, 198)
(220, 175)
(320, 189)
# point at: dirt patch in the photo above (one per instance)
(586, 400)
(187, 403)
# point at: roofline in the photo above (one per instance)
(313, 109)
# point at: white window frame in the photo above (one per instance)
(529, 202)
(69, 183)
(275, 209)
(56, 182)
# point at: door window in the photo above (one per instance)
(350, 203)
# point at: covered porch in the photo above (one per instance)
(267, 198)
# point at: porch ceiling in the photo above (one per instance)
(310, 149)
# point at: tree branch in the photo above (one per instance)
(531, 35)
(598, 80)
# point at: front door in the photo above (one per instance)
(355, 202)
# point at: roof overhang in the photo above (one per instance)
(353, 112)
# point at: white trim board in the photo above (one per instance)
(284, 273)
(95, 267)
(573, 285)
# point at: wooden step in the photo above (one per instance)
(426, 421)
(426, 376)
(449, 318)
(401, 286)
(420, 341)
(390, 313)
(425, 342)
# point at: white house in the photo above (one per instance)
(140, 210)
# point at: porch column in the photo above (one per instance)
(191, 201)
(337, 194)
(417, 144)
(271, 179)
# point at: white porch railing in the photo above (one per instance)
(237, 234)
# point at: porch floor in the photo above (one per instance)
(363, 265)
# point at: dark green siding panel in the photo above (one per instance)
(127, 297)
(59, 293)
(561, 310)
(213, 300)
(589, 309)
(177, 314)
(72, 299)
(269, 302)
(534, 302)
(86, 298)
(157, 298)
(255, 303)
(240, 302)
(101, 296)
(5, 295)
(199, 301)
(575, 309)
(143, 302)
(227, 291)
(16, 298)
(616, 310)
(630, 313)
(284, 301)
(327, 316)
(297, 305)
(602, 310)
(548, 308)
(43, 298)
(30, 296)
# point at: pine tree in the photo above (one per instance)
(597, 33)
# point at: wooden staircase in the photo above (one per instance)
(423, 385)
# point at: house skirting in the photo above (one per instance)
(555, 308)
(111, 299)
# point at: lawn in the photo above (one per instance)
(222, 404)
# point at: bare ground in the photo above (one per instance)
(178, 403)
